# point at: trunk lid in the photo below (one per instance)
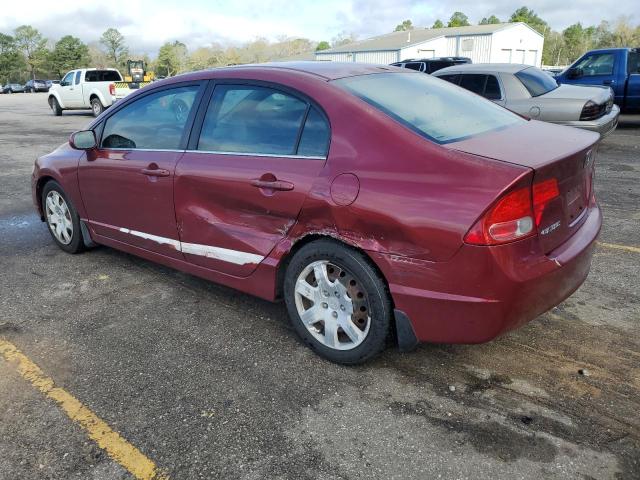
(551, 151)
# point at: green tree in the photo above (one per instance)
(406, 25)
(523, 14)
(115, 46)
(172, 58)
(489, 21)
(458, 19)
(323, 45)
(11, 60)
(69, 53)
(438, 24)
(32, 44)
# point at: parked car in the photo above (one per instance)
(13, 88)
(430, 65)
(437, 217)
(87, 88)
(530, 91)
(33, 86)
(618, 68)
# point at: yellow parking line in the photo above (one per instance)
(116, 447)
(620, 247)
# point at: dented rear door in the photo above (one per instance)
(240, 187)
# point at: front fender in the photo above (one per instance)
(55, 94)
(60, 165)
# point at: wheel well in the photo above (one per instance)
(313, 237)
(92, 96)
(39, 187)
(51, 98)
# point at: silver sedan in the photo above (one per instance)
(533, 93)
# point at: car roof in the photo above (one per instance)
(484, 68)
(436, 59)
(323, 69)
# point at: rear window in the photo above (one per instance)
(436, 110)
(102, 76)
(536, 81)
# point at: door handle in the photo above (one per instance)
(155, 172)
(608, 82)
(272, 184)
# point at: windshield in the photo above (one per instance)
(536, 81)
(434, 108)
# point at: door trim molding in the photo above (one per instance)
(224, 254)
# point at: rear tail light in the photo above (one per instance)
(112, 89)
(514, 216)
(543, 193)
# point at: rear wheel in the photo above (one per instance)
(337, 302)
(62, 218)
(96, 106)
(55, 106)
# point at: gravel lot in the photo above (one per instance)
(211, 383)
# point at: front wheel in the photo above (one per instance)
(96, 107)
(55, 107)
(62, 218)
(338, 302)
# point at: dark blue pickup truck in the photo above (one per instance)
(618, 68)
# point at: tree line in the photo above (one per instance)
(560, 47)
(26, 53)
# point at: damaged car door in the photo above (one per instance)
(251, 161)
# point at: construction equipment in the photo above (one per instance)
(137, 76)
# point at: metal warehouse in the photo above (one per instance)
(497, 43)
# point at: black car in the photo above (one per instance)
(430, 65)
(12, 88)
(36, 86)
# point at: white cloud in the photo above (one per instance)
(148, 23)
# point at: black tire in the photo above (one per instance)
(76, 245)
(55, 107)
(96, 107)
(369, 281)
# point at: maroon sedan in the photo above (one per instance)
(378, 202)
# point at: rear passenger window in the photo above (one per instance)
(315, 136)
(78, 73)
(473, 82)
(154, 122)
(492, 88)
(252, 119)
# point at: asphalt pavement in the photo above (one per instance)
(206, 382)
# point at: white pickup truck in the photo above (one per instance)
(88, 88)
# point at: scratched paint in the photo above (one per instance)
(219, 253)
(110, 441)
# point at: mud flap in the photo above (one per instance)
(407, 339)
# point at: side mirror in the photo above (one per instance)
(575, 73)
(83, 140)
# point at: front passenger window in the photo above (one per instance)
(154, 122)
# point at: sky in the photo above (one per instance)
(147, 24)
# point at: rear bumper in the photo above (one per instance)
(483, 292)
(603, 125)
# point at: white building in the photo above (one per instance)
(498, 43)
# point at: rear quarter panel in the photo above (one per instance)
(415, 199)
